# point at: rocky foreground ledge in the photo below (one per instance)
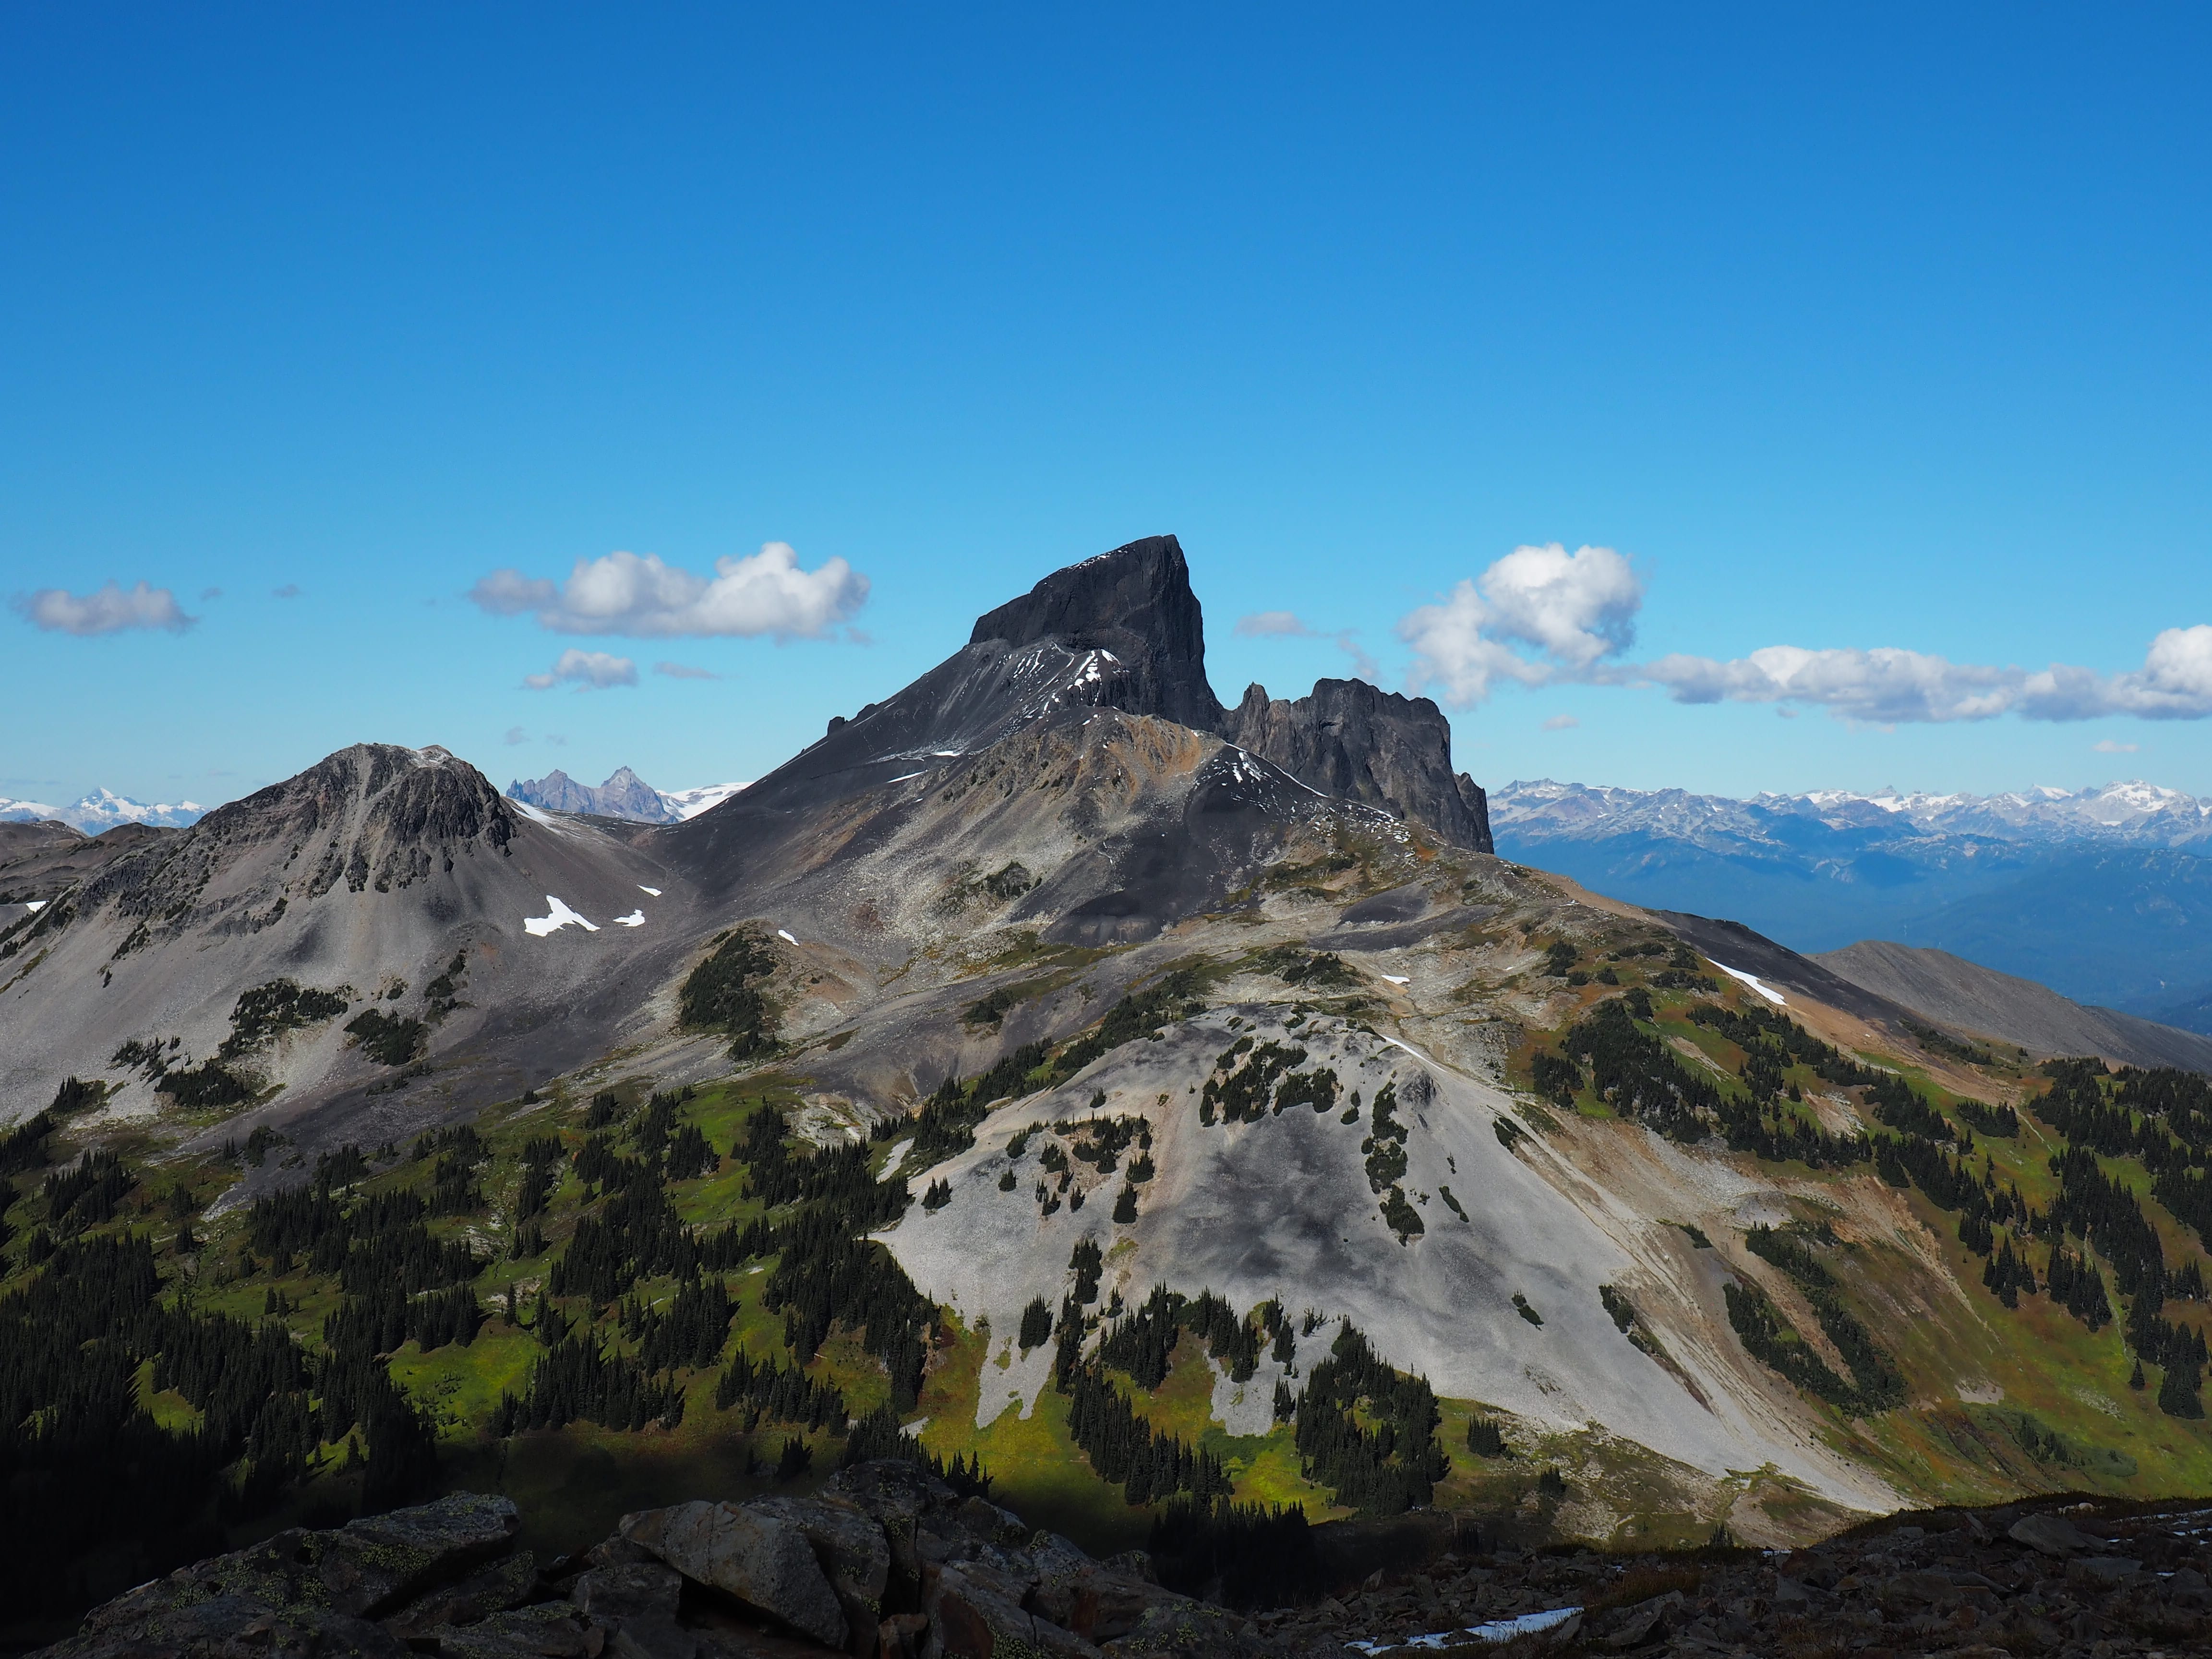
(886, 1562)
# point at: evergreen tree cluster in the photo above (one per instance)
(688, 1332)
(387, 1039)
(1245, 1077)
(1638, 1075)
(1997, 1122)
(1246, 1555)
(541, 1161)
(575, 1378)
(84, 1466)
(1876, 1385)
(773, 1393)
(1087, 1264)
(723, 994)
(1386, 1164)
(1148, 1463)
(266, 1012)
(1770, 1339)
(87, 1193)
(1143, 1343)
(2076, 1283)
(1380, 1470)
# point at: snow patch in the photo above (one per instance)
(558, 915)
(690, 803)
(786, 937)
(1497, 1630)
(634, 919)
(642, 888)
(35, 905)
(1398, 979)
(537, 815)
(1755, 982)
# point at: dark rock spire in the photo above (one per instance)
(1135, 602)
(1351, 740)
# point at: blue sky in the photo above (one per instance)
(1878, 329)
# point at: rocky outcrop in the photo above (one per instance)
(885, 1562)
(1136, 604)
(1350, 739)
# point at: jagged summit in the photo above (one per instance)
(1124, 630)
(1352, 739)
(624, 795)
(1135, 603)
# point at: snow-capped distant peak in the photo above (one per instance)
(690, 803)
(2135, 812)
(103, 809)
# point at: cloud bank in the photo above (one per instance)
(1578, 611)
(588, 671)
(107, 610)
(644, 598)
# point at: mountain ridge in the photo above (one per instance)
(1005, 998)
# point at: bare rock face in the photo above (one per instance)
(757, 1557)
(1135, 602)
(1351, 740)
(319, 1592)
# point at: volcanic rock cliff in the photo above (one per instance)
(1350, 739)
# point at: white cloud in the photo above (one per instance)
(589, 670)
(1884, 686)
(1452, 652)
(1561, 723)
(1889, 686)
(515, 734)
(290, 591)
(107, 610)
(680, 671)
(1579, 610)
(644, 599)
(1577, 607)
(2106, 746)
(2174, 683)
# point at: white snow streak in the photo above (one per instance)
(1753, 980)
(634, 919)
(1497, 1630)
(642, 888)
(787, 938)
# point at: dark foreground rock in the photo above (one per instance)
(2074, 1581)
(886, 1562)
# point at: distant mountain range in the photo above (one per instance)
(103, 809)
(624, 795)
(2102, 894)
